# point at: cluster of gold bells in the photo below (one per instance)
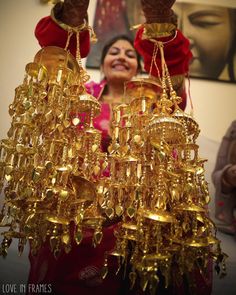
(157, 186)
(52, 157)
(52, 173)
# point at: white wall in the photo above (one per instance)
(18, 47)
(214, 102)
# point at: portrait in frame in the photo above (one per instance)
(210, 29)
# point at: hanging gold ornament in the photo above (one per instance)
(157, 186)
(52, 158)
(52, 172)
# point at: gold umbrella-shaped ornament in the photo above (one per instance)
(51, 160)
(157, 187)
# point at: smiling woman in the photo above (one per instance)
(120, 62)
(211, 31)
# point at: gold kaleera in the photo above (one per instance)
(157, 186)
(52, 171)
(51, 159)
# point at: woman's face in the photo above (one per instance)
(120, 63)
(209, 31)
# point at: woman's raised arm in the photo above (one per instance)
(68, 16)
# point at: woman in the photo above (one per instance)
(224, 179)
(79, 271)
(212, 34)
(119, 63)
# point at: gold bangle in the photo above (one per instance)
(157, 30)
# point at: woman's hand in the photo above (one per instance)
(74, 12)
(158, 11)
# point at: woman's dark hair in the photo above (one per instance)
(112, 41)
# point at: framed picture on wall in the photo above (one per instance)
(211, 30)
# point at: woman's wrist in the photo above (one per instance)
(165, 16)
(160, 19)
(158, 11)
(57, 17)
(71, 13)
